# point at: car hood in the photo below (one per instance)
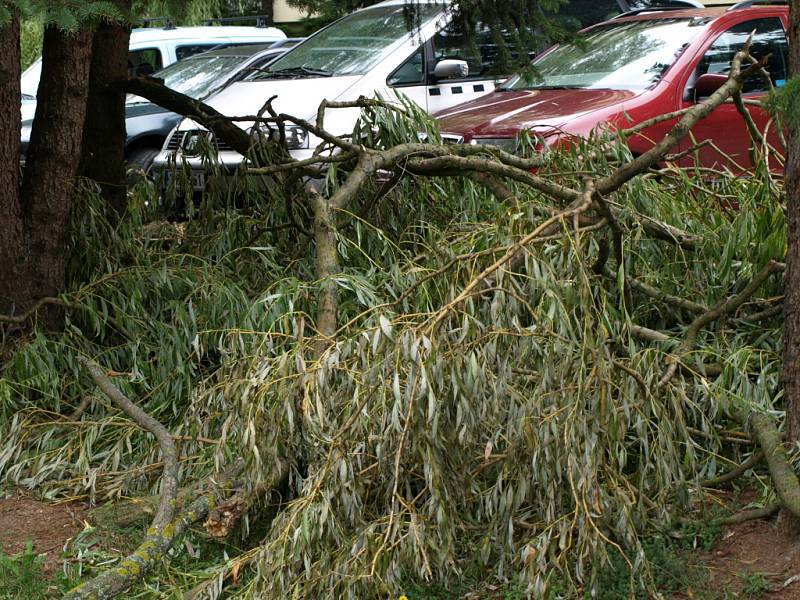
(505, 113)
(142, 108)
(296, 97)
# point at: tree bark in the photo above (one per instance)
(52, 161)
(791, 335)
(220, 125)
(268, 10)
(11, 233)
(103, 157)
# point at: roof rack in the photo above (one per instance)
(261, 20)
(168, 24)
(658, 7)
(751, 3)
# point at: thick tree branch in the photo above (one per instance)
(642, 163)
(787, 486)
(221, 126)
(169, 454)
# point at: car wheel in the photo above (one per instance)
(139, 163)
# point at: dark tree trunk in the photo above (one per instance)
(11, 234)
(48, 186)
(791, 336)
(268, 10)
(103, 157)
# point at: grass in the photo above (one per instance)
(754, 585)
(22, 577)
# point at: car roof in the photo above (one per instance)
(209, 32)
(699, 13)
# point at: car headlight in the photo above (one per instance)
(296, 136)
(507, 144)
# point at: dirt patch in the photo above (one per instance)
(47, 526)
(755, 559)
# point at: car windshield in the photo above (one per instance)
(631, 55)
(196, 76)
(354, 44)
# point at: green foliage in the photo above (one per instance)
(755, 585)
(63, 14)
(22, 576)
(782, 102)
(31, 34)
(510, 441)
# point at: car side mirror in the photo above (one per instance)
(707, 84)
(451, 68)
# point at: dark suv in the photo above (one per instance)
(637, 66)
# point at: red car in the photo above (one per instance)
(631, 68)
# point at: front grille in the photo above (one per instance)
(175, 140)
(223, 146)
(195, 141)
(449, 138)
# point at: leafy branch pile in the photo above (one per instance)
(469, 364)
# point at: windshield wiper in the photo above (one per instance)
(302, 70)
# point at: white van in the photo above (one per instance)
(153, 48)
(397, 45)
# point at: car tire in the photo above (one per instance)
(139, 163)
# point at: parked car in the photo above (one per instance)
(370, 51)
(154, 48)
(198, 76)
(629, 69)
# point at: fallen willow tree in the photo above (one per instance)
(471, 365)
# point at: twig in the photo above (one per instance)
(649, 335)
(763, 315)
(725, 307)
(735, 472)
(662, 296)
(47, 301)
(577, 207)
(752, 514)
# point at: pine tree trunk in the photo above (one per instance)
(48, 186)
(791, 339)
(268, 10)
(104, 135)
(11, 234)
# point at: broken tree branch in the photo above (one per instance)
(725, 307)
(763, 429)
(169, 454)
(735, 472)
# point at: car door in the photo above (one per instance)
(483, 52)
(409, 78)
(723, 131)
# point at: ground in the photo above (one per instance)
(751, 560)
(754, 559)
(47, 526)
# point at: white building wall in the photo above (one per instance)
(283, 13)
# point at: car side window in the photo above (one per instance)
(485, 51)
(411, 72)
(769, 39)
(144, 61)
(188, 50)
